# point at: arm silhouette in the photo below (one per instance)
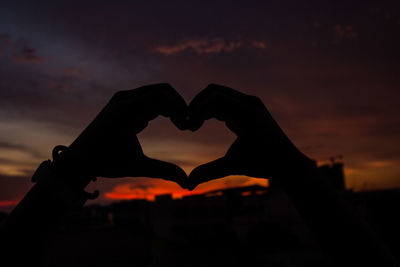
(108, 147)
(263, 150)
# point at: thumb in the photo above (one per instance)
(212, 170)
(155, 168)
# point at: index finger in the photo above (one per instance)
(241, 112)
(152, 100)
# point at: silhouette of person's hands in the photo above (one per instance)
(108, 147)
(261, 148)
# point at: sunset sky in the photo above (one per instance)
(328, 71)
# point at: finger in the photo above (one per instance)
(154, 168)
(169, 103)
(238, 110)
(176, 109)
(158, 99)
(212, 170)
(207, 99)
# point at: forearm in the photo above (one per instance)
(347, 238)
(29, 227)
(27, 230)
(42, 205)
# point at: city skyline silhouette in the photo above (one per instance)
(199, 133)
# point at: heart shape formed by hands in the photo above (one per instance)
(109, 146)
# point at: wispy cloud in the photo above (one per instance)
(344, 32)
(259, 44)
(209, 46)
(75, 72)
(18, 50)
(26, 55)
(200, 46)
(21, 148)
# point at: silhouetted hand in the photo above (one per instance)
(108, 147)
(261, 148)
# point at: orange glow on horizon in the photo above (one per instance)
(128, 191)
(148, 196)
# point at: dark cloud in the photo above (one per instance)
(27, 55)
(18, 50)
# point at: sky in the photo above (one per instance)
(328, 71)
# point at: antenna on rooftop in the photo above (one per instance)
(333, 158)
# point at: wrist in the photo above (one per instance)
(66, 177)
(72, 168)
